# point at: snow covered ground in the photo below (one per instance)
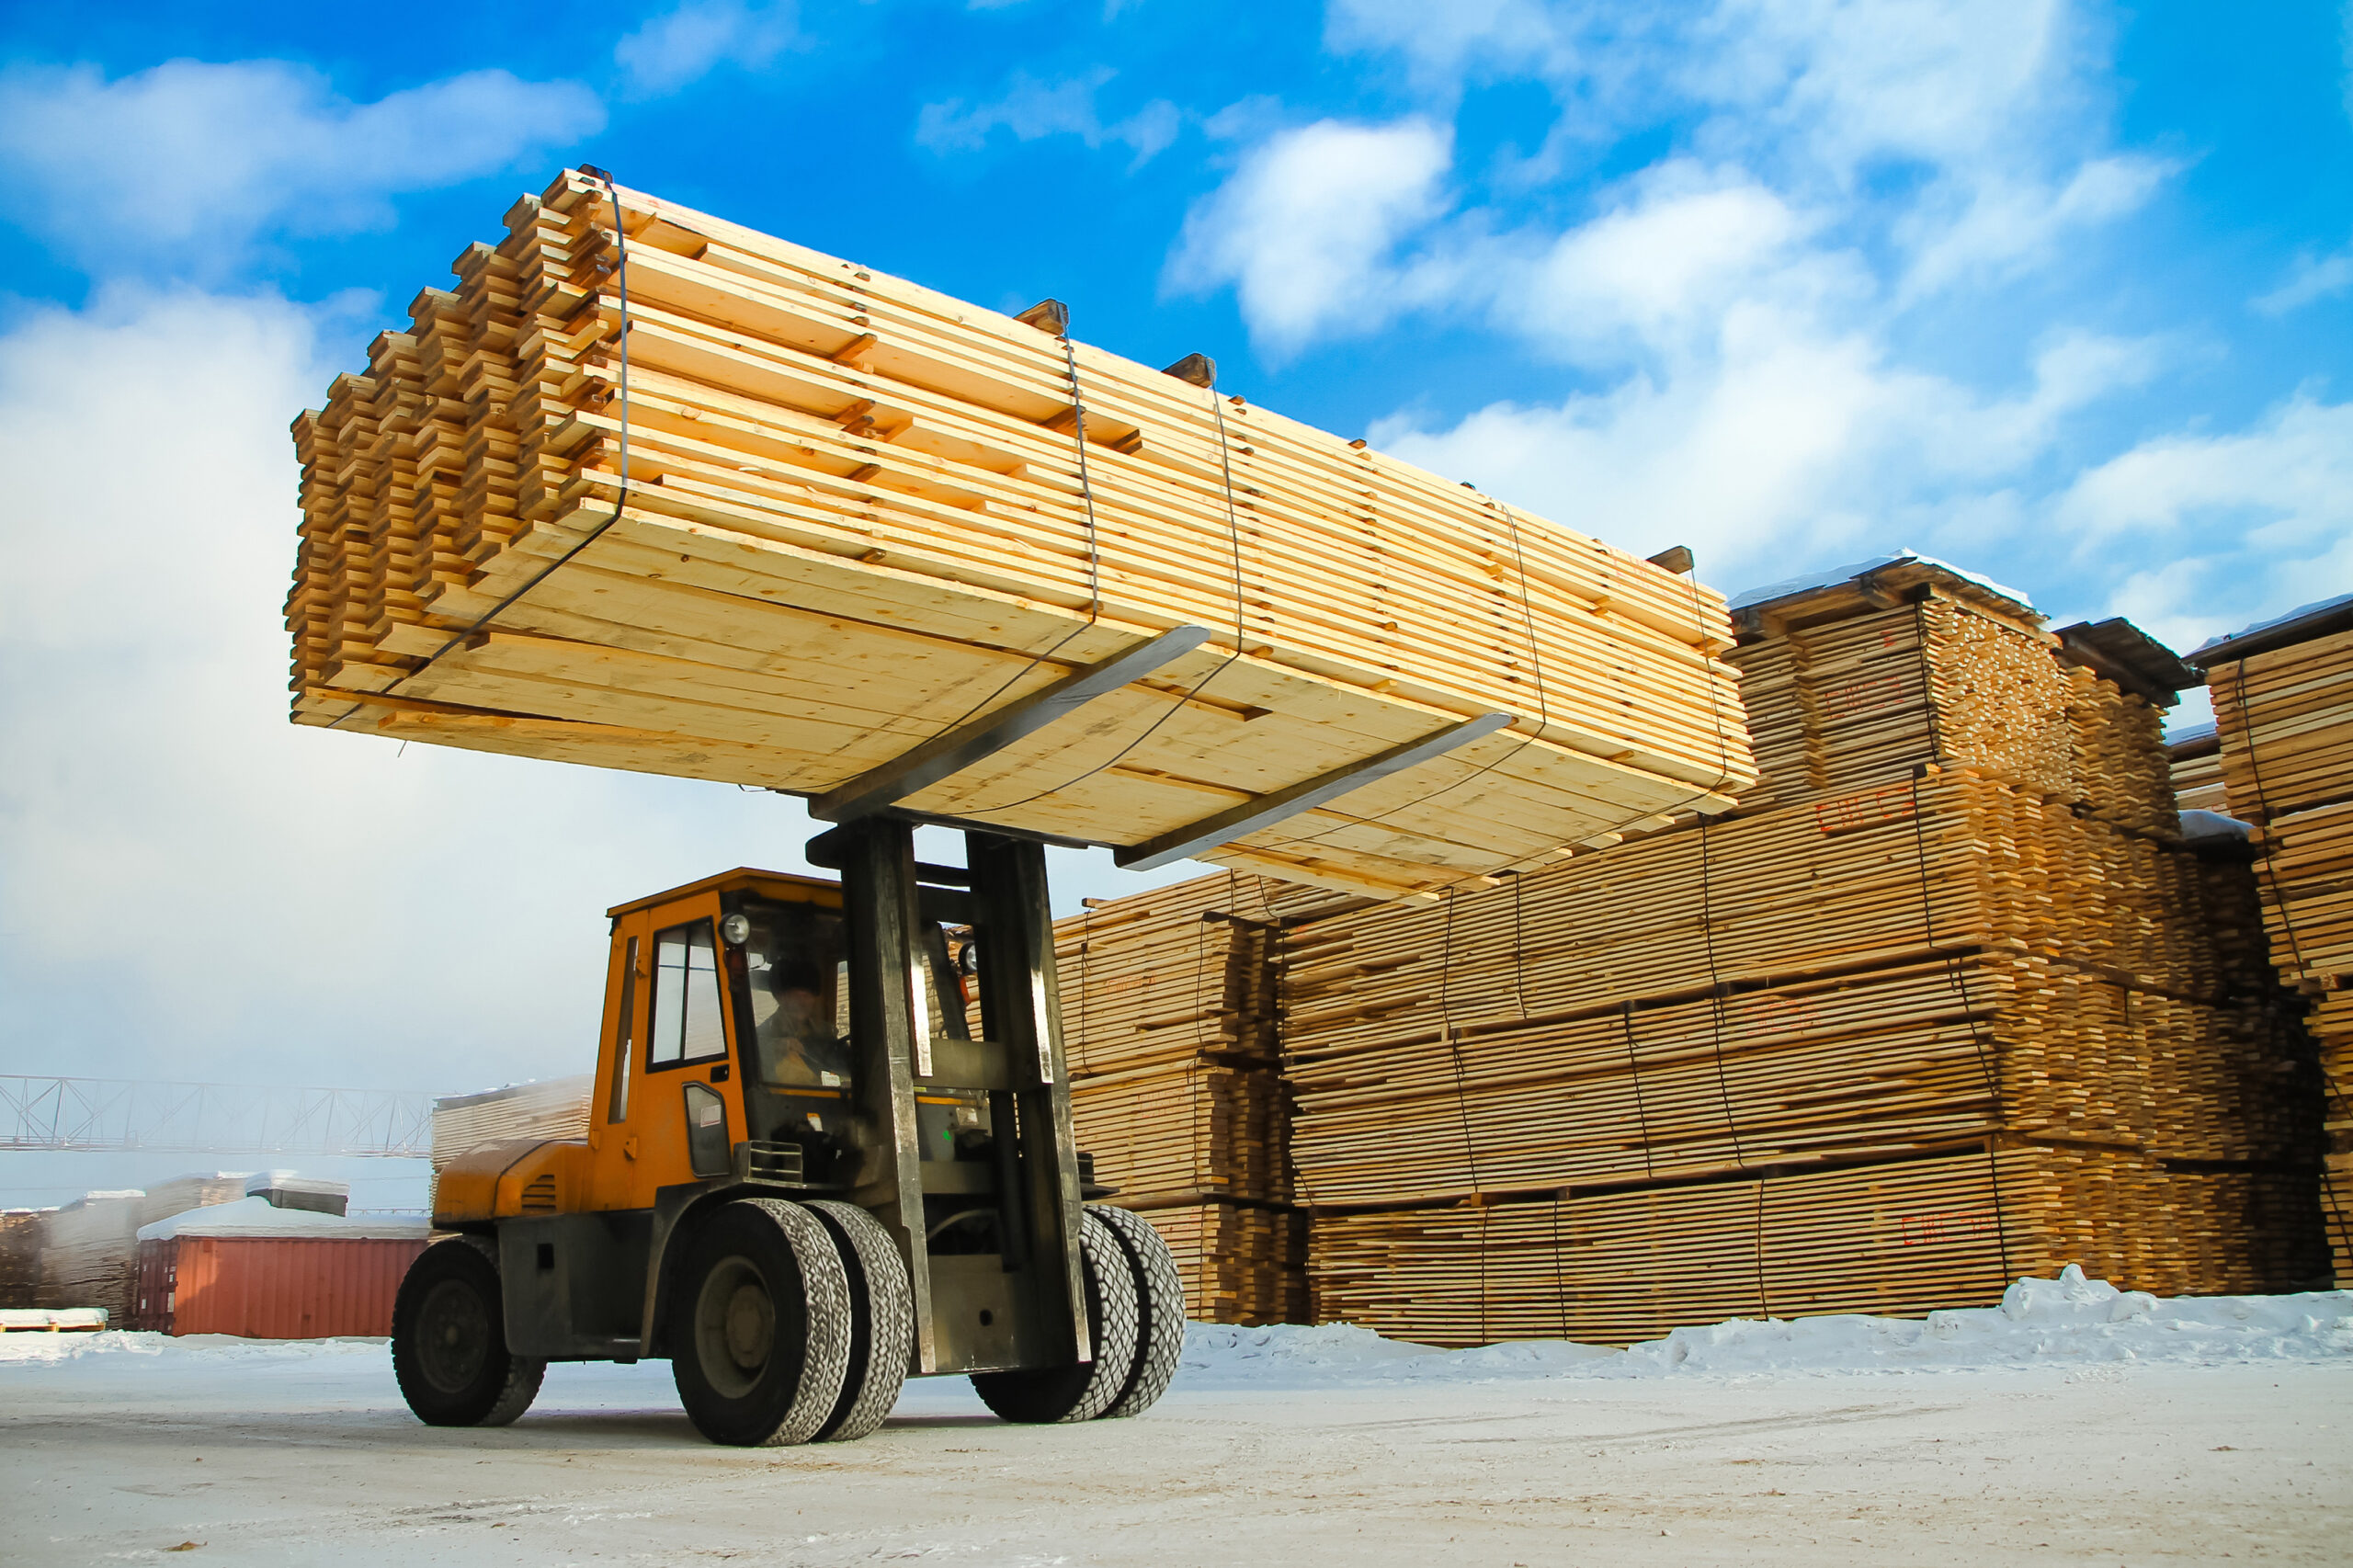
(2074, 1423)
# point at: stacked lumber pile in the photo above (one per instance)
(1943, 1004)
(1854, 681)
(87, 1251)
(855, 513)
(21, 1230)
(1170, 1025)
(546, 1109)
(2283, 706)
(2195, 759)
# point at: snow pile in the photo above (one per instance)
(2039, 1323)
(218, 1350)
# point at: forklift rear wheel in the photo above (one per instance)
(1160, 1309)
(449, 1340)
(1086, 1390)
(760, 1325)
(882, 1319)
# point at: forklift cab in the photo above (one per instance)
(727, 1022)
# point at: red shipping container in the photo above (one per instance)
(272, 1286)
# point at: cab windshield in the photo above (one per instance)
(798, 991)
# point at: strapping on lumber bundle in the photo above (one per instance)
(2283, 709)
(855, 513)
(1901, 1239)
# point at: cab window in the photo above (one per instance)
(797, 994)
(685, 1012)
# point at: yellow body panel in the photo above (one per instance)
(523, 1175)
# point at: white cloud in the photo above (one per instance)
(1033, 109)
(1784, 441)
(2312, 279)
(1308, 227)
(187, 162)
(1671, 254)
(681, 46)
(2242, 525)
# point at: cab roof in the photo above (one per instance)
(789, 885)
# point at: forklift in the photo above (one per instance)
(804, 1178)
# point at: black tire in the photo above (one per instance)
(449, 1340)
(759, 1325)
(1084, 1391)
(882, 1320)
(1160, 1309)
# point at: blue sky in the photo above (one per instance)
(2061, 291)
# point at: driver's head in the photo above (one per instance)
(796, 974)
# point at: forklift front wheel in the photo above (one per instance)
(449, 1340)
(760, 1326)
(1084, 1392)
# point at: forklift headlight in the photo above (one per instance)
(736, 929)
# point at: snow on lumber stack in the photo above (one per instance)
(2283, 706)
(854, 514)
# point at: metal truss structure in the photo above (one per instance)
(115, 1115)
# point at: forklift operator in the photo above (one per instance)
(796, 1043)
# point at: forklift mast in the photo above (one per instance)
(1020, 1304)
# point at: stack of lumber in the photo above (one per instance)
(1901, 1238)
(2283, 707)
(1854, 683)
(2195, 759)
(21, 1230)
(1170, 1032)
(545, 1108)
(855, 513)
(1946, 1002)
(87, 1252)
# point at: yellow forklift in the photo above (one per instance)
(804, 1178)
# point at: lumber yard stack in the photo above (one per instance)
(2196, 756)
(647, 489)
(2283, 707)
(1940, 1007)
(85, 1253)
(1170, 1027)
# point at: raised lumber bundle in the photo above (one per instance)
(855, 513)
(1953, 950)
(1901, 1238)
(1853, 680)
(2283, 707)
